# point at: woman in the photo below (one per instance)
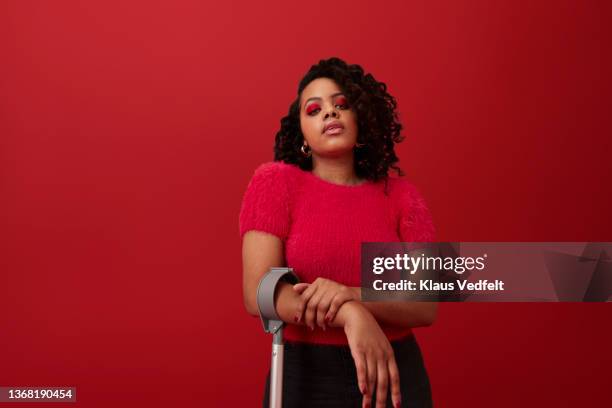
(327, 191)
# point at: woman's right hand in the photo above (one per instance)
(373, 355)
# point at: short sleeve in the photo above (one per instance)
(415, 221)
(265, 205)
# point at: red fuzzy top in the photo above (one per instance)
(322, 225)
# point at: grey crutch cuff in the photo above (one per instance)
(265, 296)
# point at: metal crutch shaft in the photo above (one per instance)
(272, 323)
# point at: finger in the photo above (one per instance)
(300, 287)
(299, 311)
(309, 291)
(383, 383)
(360, 366)
(394, 381)
(371, 373)
(323, 308)
(305, 297)
(367, 395)
(311, 309)
(366, 402)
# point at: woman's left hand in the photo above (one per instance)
(321, 300)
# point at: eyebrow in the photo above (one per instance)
(317, 97)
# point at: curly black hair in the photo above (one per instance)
(377, 121)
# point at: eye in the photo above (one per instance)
(312, 108)
(341, 101)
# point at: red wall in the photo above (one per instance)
(130, 129)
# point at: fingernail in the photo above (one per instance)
(327, 319)
(397, 405)
(312, 328)
(295, 319)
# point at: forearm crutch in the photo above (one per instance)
(272, 323)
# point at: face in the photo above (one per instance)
(322, 104)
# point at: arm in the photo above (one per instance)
(260, 252)
(404, 314)
(415, 225)
(322, 299)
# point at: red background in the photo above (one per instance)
(130, 129)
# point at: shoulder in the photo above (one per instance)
(269, 172)
(407, 198)
(403, 190)
(416, 223)
(272, 170)
(271, 177)
(276, 175)
(265, 205)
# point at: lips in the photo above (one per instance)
(333, 127)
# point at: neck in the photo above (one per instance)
(337, 170)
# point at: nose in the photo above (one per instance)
(331, 112)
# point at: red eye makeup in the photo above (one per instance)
(341, 101)
(311, 108)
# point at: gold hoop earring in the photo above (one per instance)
(306, 153)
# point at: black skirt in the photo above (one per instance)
(319, 375)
